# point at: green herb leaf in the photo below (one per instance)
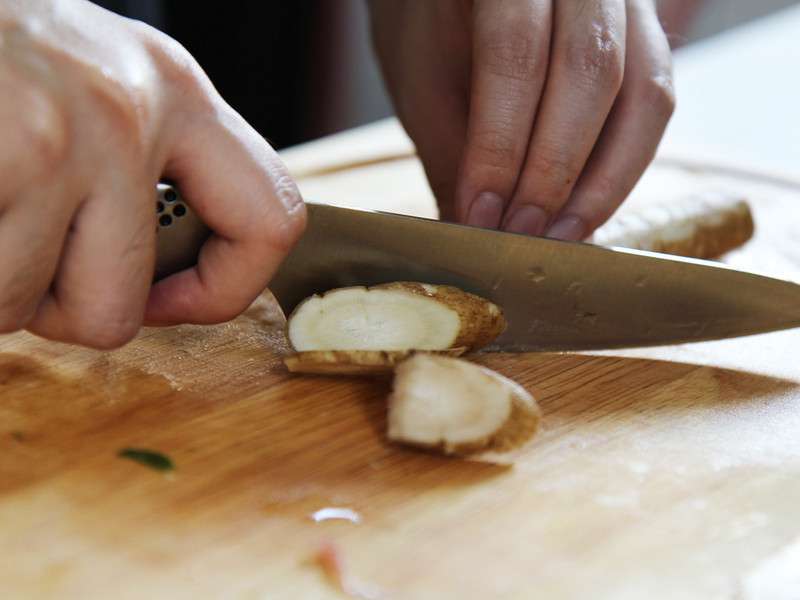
(148, 458)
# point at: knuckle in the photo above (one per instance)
(658, 93)
(139, 248)
(286, 233)
(281, 221)
(552, 167)
(605, 190)
(600, 60)
(46, 133)
(495, 147)
(36, 127)
(286, 191)
(105, 319)
(104, 331)
(604, 196)
(128, 107)
(177, 66)
(550, 176)
(512, 53)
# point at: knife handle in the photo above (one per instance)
(180, 233)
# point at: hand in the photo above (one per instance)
(532, 116)
(94, 110)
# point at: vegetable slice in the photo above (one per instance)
(353, 362)
(394, 317)
(458, 407)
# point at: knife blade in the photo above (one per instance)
(557, 296)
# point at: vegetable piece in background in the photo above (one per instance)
(692, 225)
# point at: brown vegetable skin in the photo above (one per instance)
(696, 226)
(354, 362)
(471, 421)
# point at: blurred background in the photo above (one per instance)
(301, 70)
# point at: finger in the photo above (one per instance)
(510, 53)
(632, 133)
(238, 186)
(586, 69)
(100, 290)
(32, 231)
(434, 112)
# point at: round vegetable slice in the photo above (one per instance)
(394, 317)
(458, 407)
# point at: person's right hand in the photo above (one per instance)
(94, 110)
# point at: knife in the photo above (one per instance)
(556, 296)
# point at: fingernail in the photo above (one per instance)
(530, 220)
(486, 211)
(569, 228)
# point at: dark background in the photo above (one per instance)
(275, 62)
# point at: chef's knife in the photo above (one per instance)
(556, 295)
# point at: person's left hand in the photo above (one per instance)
(532, 116)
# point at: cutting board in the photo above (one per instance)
(667, 473)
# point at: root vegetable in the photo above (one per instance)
(458, 407)
(696, 226)
(394, 317)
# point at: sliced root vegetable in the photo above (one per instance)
(481, 321)
(394, 317)
(354, 362)
(697, 226)
(458, 407)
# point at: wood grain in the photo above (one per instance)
(669, 473)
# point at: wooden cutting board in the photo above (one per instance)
(669, 473)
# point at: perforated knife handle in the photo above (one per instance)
(180, 233)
